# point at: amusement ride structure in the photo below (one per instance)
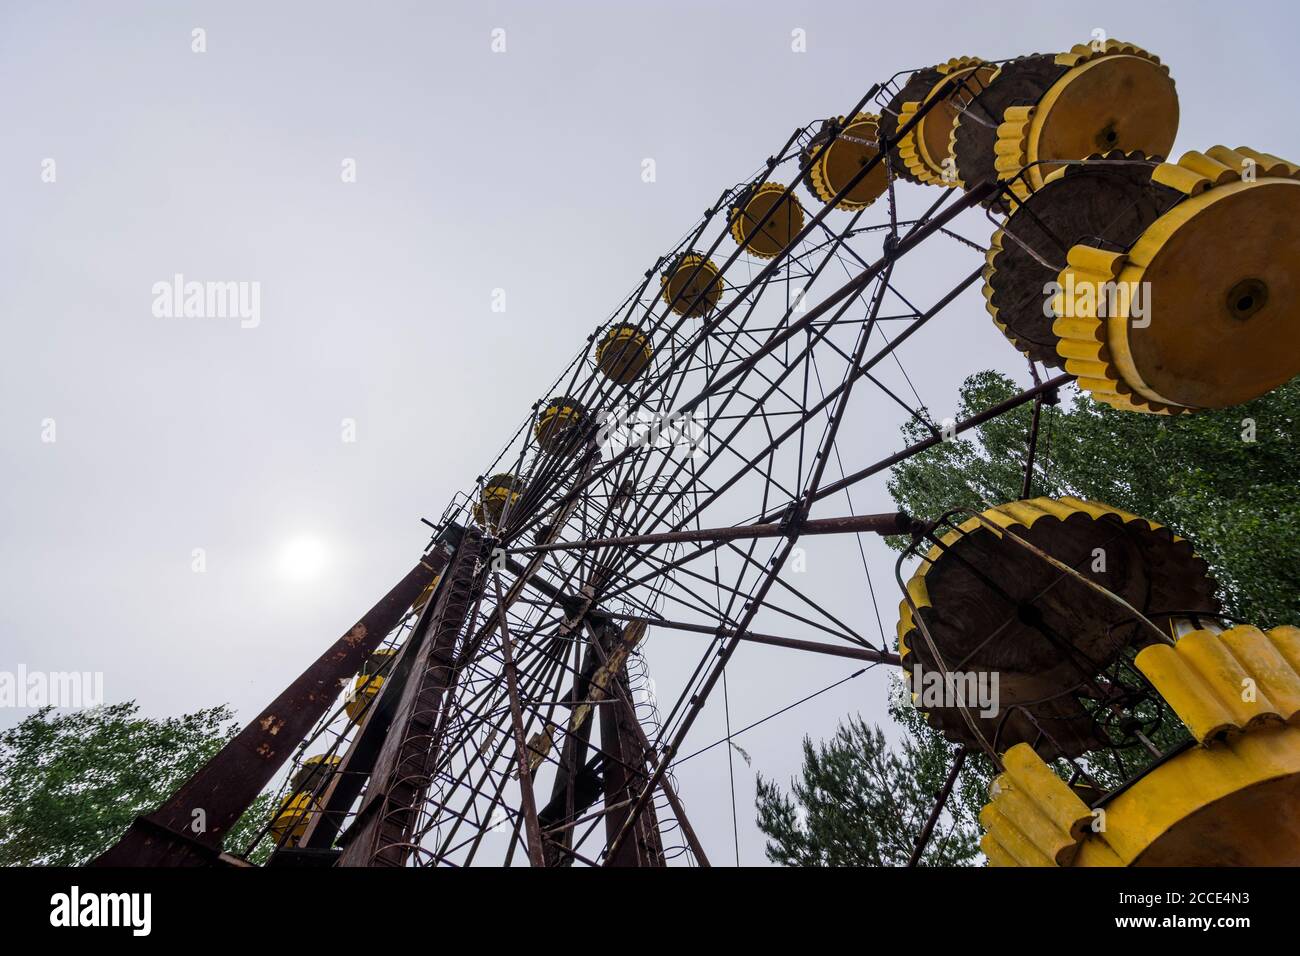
(494, 707)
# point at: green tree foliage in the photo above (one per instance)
(860, 803)
(72, 782)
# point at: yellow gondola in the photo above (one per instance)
(763, 222)
(1220, 275)
(624, 353)
(857, 145)
(960, 605)
(559, 424)
(298, 806)
(690, 285)
(291, 821)
(1110, 95)
(369, 682)
(975, 130)
(1176, 288)
(922, 153)
(1231, 798)
(500, 493)
(1041, 593)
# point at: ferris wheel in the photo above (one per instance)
(497, 706)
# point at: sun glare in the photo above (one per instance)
(302, 558)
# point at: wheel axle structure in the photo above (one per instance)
(496, 706)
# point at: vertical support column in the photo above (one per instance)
(643, 846)
(382, 833)
(571, 776)
(527, 798)
(346, 784)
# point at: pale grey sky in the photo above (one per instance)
(475, 171)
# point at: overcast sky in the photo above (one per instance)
(475, 171)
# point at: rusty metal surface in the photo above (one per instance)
(359, 760)
(622, 738)
(573, 789)
(527, 798)
(893, 522)
(381, 834)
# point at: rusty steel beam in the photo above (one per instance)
(940, 802)
(572, 771)
(527, 797)
(630, 726)
(188, 829)
(346, 783)
(894, 522)
(380, 835)
(619, 736)
(816, 647)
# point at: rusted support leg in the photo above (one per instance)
(623, 736)
(346, 784)
(893, 522)
(666, 786)
(381, 835)
(643, 846)
(558, 816)
(940, 802)
(527, 798)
